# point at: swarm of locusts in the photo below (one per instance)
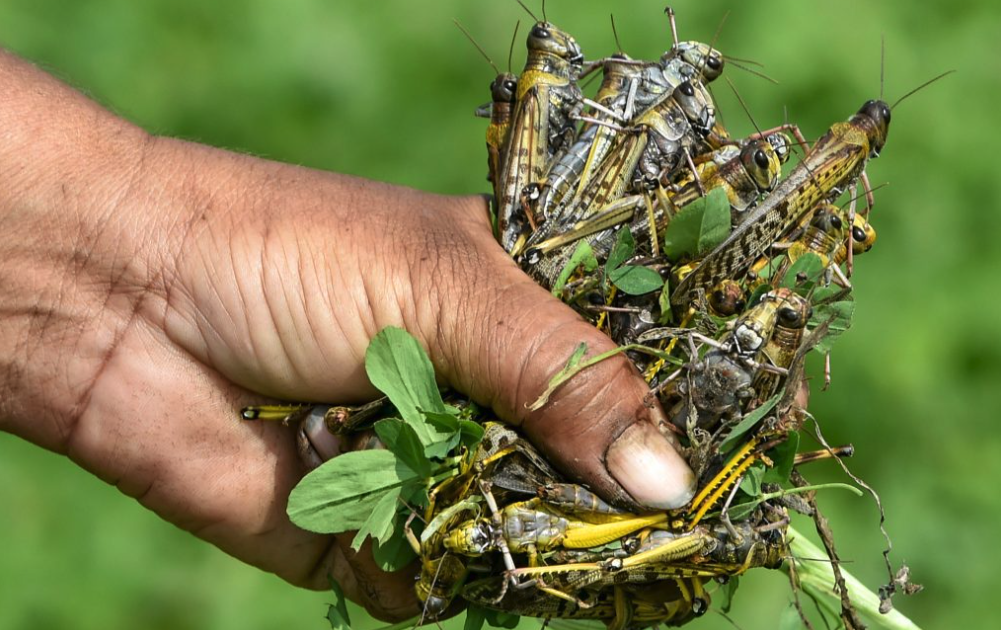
(715, 265)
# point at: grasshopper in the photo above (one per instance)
(750, 171)
(831, 165)
(442, 572)
(576, 166)
(503, 90)
(546, 98)
(533, 527)
(837, 159)
(781, 348)
(659, 138)
(719, 384)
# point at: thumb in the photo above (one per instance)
(500, 338)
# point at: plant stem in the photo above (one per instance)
(817, 579)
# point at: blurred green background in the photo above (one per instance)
(386, 90)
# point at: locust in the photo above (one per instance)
(833, 164)
(719, 384)
(837, 159)
(442, 572)
(659, 139)
(576, 166)
(503, 90)
(745, 174)
(545, 101)
(781, 348)
(661, 581)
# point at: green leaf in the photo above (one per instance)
(500, 619)
(715, 221)
(790, 619)
(582, 255)
(400, 438)
(726, 593)
(783, 456)
(395, 553)
(470, 433)
(840, 314)
(810, 266)
(636, 280)
(625, 246)
(379, 524)
(699, 226)
(398, 366)
(447, 426)
(773, 265)
(337, 613)
(340, 494)
(475, 616)
(664, 302)
(758, 291)
(751, 483)
(748, 422)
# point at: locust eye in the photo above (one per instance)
(434, 606)
(510, 85)
(858, 234)
(789, 317)
(699, 606)
(836, 222)
(540, 32)
(714, 63)
(761, 159)
(686, 88)
(885, 111)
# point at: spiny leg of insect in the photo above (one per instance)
(283, 413)
(841, 278)
(725, 517)
(827, 371)
(408, 533)
(695, 172)
(498, 523)
(600, 123)
(790, 127)
(604, 110)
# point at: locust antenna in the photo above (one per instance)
(719, 113)
(510, 50)
(712, 44)
(882, 63)
(861, 195)
(757, 73)
(544, 16)
(527, 10)
(747, 111)
(615, 33)
(473, 42)
(749, 62)
(674, 27)
(922, 86)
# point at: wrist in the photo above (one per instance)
(69, 167)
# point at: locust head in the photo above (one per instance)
(546, 38)
(697, 105)
(875, 117)
(504, 88)
(863, 235)
(706, 60)
(762, 163)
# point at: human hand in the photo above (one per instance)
(157, 286)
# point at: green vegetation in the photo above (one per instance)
(386, 90)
